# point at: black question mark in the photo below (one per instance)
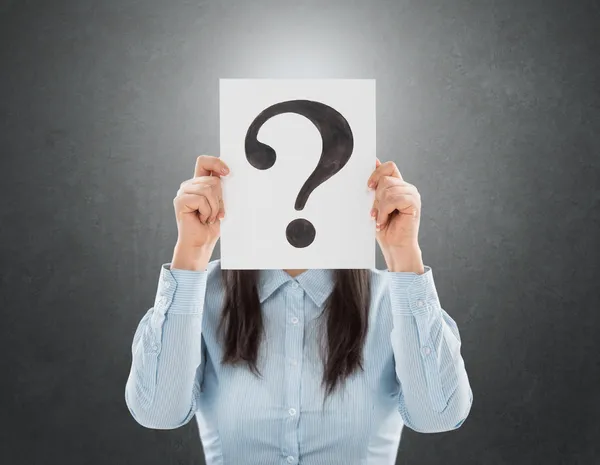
(338, 144)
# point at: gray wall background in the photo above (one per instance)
(491, 108)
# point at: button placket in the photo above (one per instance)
(294, 336)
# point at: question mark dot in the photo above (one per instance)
(300, 233)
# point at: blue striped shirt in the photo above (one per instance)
(414, 373)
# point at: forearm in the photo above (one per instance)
(166, 353)
(160, 388)
(436, 394)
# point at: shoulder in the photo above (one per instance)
(379, 280)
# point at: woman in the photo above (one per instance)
(311, 367)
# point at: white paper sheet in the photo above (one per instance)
(260, 202)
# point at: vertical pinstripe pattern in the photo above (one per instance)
(414, 372)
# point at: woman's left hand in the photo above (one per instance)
(397, 209)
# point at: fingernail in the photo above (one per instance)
(224, 170)
(373, 213)
(371, 184)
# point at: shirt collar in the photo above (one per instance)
(317, 283)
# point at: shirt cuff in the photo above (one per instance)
(413, 294)
(180, 291)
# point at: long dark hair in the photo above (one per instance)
(346, 311)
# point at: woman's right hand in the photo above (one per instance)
(199, 206)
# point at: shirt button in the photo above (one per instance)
(292, 411)
(290, 459)
(420, 303)
(295, 320)
(154, 347)
(294, 285)
(426, 350)
(167, 284)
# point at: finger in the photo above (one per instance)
(221, 213)
(377, 165)
(388, 168)
(404, 203)
(213, 181)
(193, 204)
(374, 209)
(389, 185)
(375, 201)
(387, 188)
(218, 209)
(206, 164)
(210, 192)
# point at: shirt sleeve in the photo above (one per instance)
(166, 370)
(435, 394)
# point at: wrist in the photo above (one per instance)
(405, 259)
(193, 258)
